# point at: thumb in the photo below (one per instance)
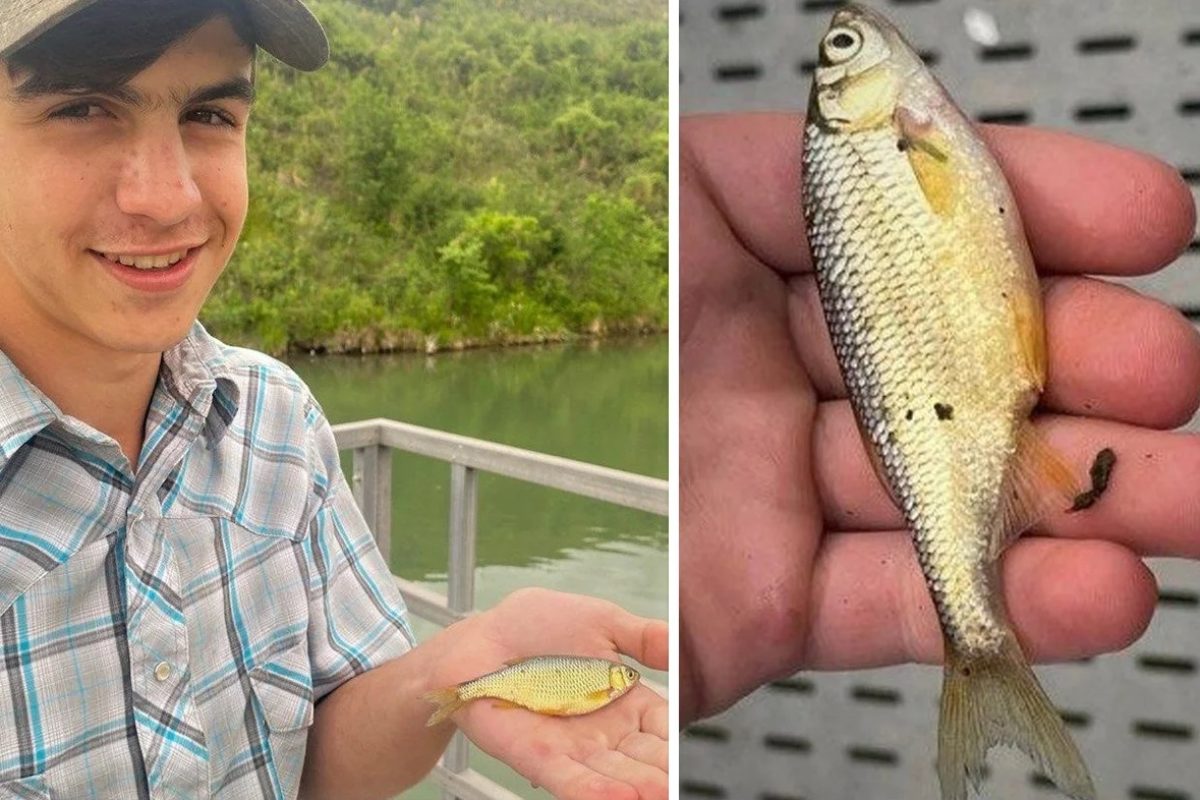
(643, 639)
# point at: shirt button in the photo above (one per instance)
(162, 671)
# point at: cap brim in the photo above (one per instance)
(25, 20)
(288, 30)
(284, 28)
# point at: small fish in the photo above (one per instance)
(932, 302)
(561, 686)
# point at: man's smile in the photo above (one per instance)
(148, 260)
(162, 271)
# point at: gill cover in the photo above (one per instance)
(853, 87)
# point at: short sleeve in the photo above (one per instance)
(357, 618)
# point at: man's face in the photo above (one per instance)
(144, 178)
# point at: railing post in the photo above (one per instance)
(356, 477)
(460, 592)
(378, 496)
(372, 488)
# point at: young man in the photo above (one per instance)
(190, 603)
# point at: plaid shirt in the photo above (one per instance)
(165, 631)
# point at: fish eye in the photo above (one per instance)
(842, 43)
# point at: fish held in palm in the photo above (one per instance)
(561, 686)
(931, 299)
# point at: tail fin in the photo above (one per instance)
(997, 700)
(447, 702)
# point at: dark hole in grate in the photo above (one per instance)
(873, 755)
(821, 5)
(1191, 175)
(773, 796)
(1106, 44)
(1157, 663)
(1016, 51)
(1194, 246)
(807, 67)
(1192, 36)
(1103, 112)
(930, 57)
(1189, 107)
(911, 2)
(737, 72)
(1180, 597)
(796, 685)
(1158, 729)
(1003, 117)
(791, 744)
(1040, 781)
(698, 789)
(1156, 793)
(1075, 719)
(712, 733)
(739, 12)
(875, 694)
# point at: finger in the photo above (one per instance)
(1144, 219)
(1133, 216)
(569, 779)
(1101, 338)
(654, 720)
(645, 640)
(647, 748)
(1151, 505)
(1066, 600)
(650, 781)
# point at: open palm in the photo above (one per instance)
(616, 753)
(792, 555)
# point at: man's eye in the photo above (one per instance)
(211, 116)
(78, 111)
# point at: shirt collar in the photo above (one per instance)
(196, 371)
(24, 410)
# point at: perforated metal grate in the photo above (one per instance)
(1122, 71)
(1126, 71)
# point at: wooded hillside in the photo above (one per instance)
(463, 171)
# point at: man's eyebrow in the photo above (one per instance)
(239, 88)
(236, 89)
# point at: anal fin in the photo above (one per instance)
(1040, 482)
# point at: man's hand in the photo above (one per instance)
(616, 753)
(792, 554)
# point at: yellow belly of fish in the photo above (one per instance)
(557, 693)
(920, 310)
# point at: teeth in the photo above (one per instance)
(147, 262)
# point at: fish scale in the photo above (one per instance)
(559, 685)
(897, 319)
(543, 683)
(934, 311)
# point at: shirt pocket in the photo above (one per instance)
(32, 788)
(283, 695)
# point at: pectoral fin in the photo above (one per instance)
(929, 156)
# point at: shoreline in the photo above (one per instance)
(369, 343)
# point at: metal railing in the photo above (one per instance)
(373, 442)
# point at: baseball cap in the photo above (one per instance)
(284, 28)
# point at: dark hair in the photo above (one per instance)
(103, 46)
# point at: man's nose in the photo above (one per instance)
(156, 179)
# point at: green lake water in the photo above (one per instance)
(599, 402)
